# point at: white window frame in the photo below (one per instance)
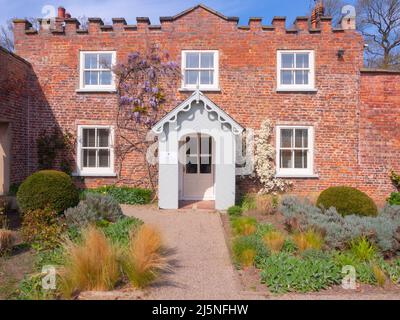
(191, 87)
(296, 87)
(293, 172)
(91, 88)
(94, 172)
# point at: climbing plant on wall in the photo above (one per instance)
(264, 159)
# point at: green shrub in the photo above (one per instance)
(94, 208)
(248, 202)
(124, 195)
(394, 199)
(284, 272)
(47, 189)
(12, 191)
(244, 226)
(338, 231)
(364, 272)
(235, 211)
(30, 288)
(42, 228)
(347, 201)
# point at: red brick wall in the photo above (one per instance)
(379, 130)
(247, 81)
(15, 75)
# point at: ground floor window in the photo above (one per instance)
(295, 151)
(95, 150)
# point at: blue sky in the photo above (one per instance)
(130, 9)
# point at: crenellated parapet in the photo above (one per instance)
(66, 25)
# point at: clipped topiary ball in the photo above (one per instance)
(47, 189)
(347, 201)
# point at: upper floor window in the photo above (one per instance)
(95, 151)
(296, 70)
(96, 70)
(200, 70)
(295, 151)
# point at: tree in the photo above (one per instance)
(146, 83)
(379, 22)
(7, 36)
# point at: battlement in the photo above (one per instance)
(67, 25)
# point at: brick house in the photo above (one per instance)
(335, 123)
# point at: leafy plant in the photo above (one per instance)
(42, 228)
(248, 202)
(143, 260)
(94, 208)
(362, 249)
(309, 240)
(119, 232)
(3, 213)
(395, 179)
(124, 195)
(244, 225)
(90, 265)
(13, 189)
(47, 189)
(235, 211)
(394, 199)
(30, 288)
(347, 201)
(7, 241)
(286, 273)
(274, 241)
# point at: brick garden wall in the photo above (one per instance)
(247, 81)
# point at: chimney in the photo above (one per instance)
(67, 15)
(317, 13)
(61, 13)
(348, 23)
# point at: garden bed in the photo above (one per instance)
(288, 273)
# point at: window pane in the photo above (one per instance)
(300, 159)
(207, 60)
(104, 158)
(89, 138)
(192, 60)
(191, 165)
(287, 77)
(301, 77)
(90, 61)
(103, 135)
(191, 146)
(287, 60)
(205, 146)
(91, 78)
(191, 77)
(89, 158)
(286, 138)
(301, 140)
(206, 77)
(205, 165)
(302, 60)
(286, 159)
(105, 77)
(105, 60)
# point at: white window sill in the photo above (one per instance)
(201, 89)
(93, 90)
(296, 176)
(94, 174)
(296, 90)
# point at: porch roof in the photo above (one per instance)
(209, 106)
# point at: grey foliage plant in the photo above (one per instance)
(383, 230)
(93, 208)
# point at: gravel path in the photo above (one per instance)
(201, 265)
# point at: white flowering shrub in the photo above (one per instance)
(264, 158)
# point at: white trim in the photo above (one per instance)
(209, 106)
(96, 88)
(94, 172)
(296, 87)
(296, 173)
(214, 86)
